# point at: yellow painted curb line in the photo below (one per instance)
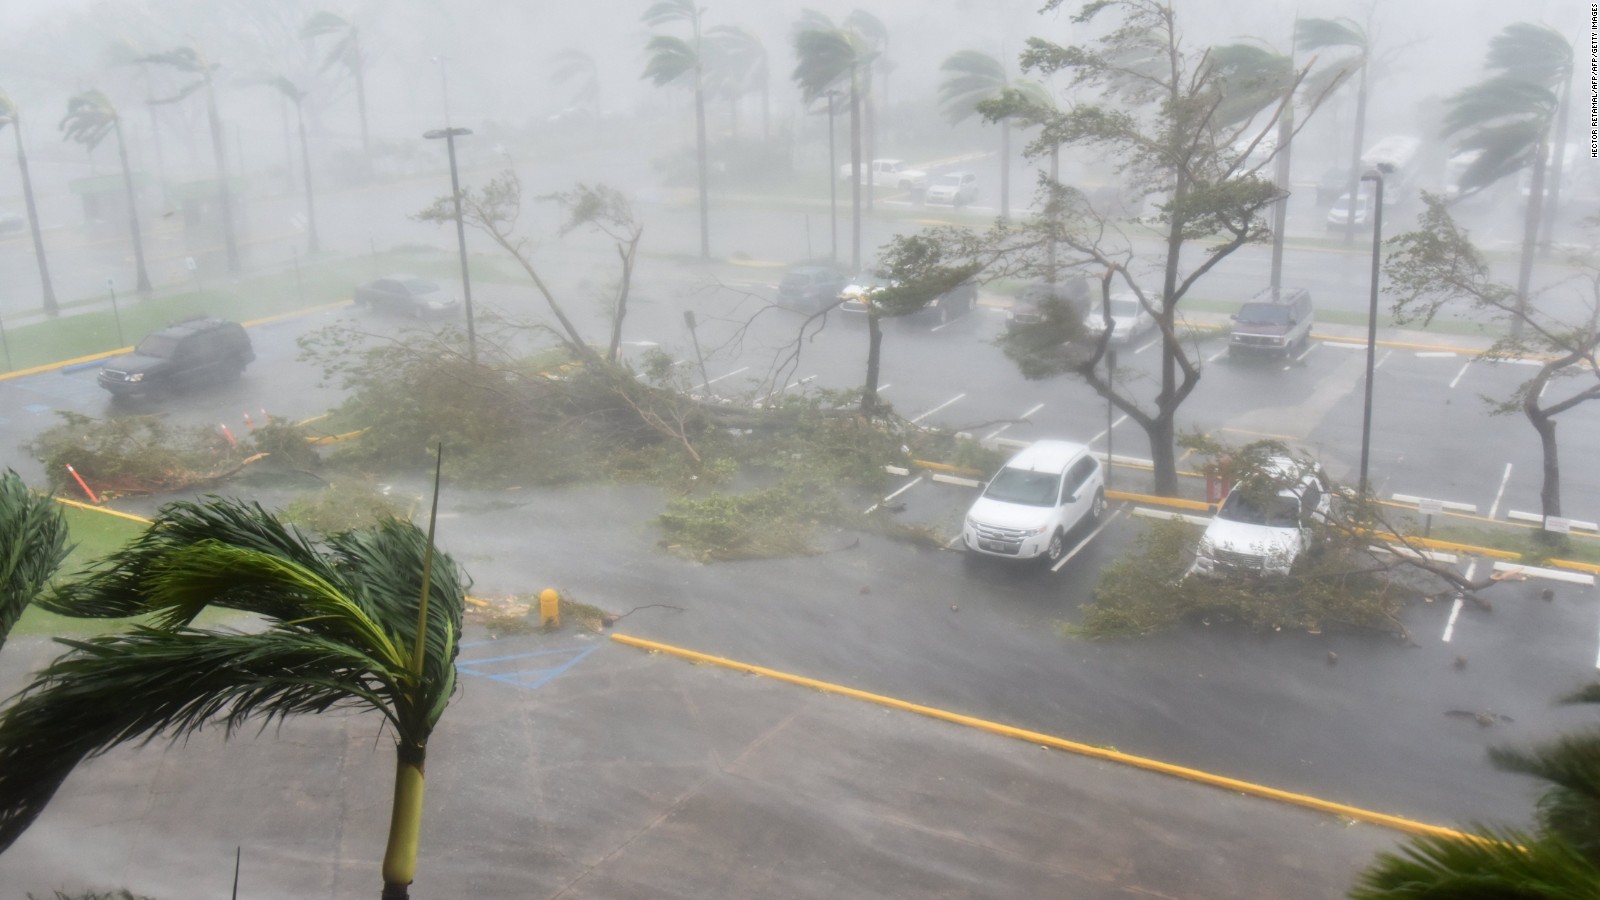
(299, 312)
(66, 362)
(756, 263)
(1178, 502)
(101, 509)
(947, 468)
(1033, 737)
(1591, 568)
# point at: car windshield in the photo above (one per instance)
(418, 286)
(949, 181)
(1264, 314)
(1025, 487)
(161, 345)
(796, 280)
(1125, 307)
(1249, 508)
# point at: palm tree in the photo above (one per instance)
(10, 116)
(1507, 120)
(34, 537)
(828, 56)
(973, 77)
(1561, 859)
(191, 60)
(738, 65)
(1319, 34)
(673, 60)
(296, 96)
(345, 51)
(1540, 55)
(371, 618)
(90, 117)
(573, 65)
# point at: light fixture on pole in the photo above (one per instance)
(444, 88)
(449, 135)
(1376, 177)
(833, 188)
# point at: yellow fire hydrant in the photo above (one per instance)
(549, 608)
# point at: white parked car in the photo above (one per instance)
(1129, 318)
(1037, 497)
(888, 173)
(953, 189)
(1266, 523)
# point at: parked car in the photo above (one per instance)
(1036, 499)
(1332, 184)
(1272, 324)
(1267, 522)
(184, 354)
(888, 173)
(406, 295)
(1341, 210)
(1129, 319)
(958, 301)
(953, 189)
(810, 288)
(1029, 306)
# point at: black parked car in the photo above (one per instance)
(406, 295)
(810, 288)
(183, 354)
(1029, 307)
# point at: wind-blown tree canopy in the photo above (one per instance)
(972, 78)
(1342, 34)
(737, 65)
(346, 52)
(575, 67)
(90, 117)
(368, 619)
(1540, 55)
(191, 61)
(33, 544)
(829, 57)
(673, 60)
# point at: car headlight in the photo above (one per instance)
(137, 376)
(1206, 549)
(972, 523)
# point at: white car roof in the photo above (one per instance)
(1046, 456)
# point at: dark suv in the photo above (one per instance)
(1271, 323)
(183, 354)
(810, 289)
(1029, 307)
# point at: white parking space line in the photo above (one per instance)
(1382, 359)
(1498, 495)
(706, 384)
(1103, 431)
(1464, 367)
(1435, 354)
(884, 387)
(996, 433)
(1087, 538)
(1217, 355)
(930, 412)
(802, 382)
(1455, 608)
(903, 488)
(1302, 357)
(1149, 344)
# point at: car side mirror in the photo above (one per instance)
(1234, 317)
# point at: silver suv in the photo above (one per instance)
(1272, 324)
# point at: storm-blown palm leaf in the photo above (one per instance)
(827, 57)
(148, 683)
(1506, 119)
(972, 77)
(1570, 804)
(1531, 53)
(671, 59)
(1317, 34)
(666, 11)
(90, 117)
(577, 66)
(33, 543)
(1249, 79)
(346, 50)
(1503, 865)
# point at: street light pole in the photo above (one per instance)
(444, 89)
(450, 135)
(1375, 176)
(833, 188)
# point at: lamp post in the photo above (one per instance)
(833, 188)
(444, 88)
(450, 135)
(1376, 177)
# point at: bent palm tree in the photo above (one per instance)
(372, 619)
(10, 116)
(972, 77)
(573, 65)
(830, 56)
(873, 36)
(33, 542)
(673, 60)
(1319, 34)
(192, 61)
(296, 96)
(90, 117)
(738, 66)
(346, 51)
(1541, 55)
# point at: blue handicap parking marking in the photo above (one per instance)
(525, 670)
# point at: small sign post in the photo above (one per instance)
(1429, 508)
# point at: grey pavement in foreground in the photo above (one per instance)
(574, 767)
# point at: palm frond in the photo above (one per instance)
(324, 22)
(671, 59)
(1250, 79)
(184, 59)
(1570, 767)
(1533, 53)
(90, 117)
(973, 77)
(1589, 693)
(148, 683)
(33, 544)
(665, 11)
(1499, 865)
(826, 58)
(1497, 100)
(869, 27)
(1317, 34)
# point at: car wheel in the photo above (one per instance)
(1057, 548)
(1097, 509)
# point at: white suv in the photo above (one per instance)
(1037, 497)
(1266, 523)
